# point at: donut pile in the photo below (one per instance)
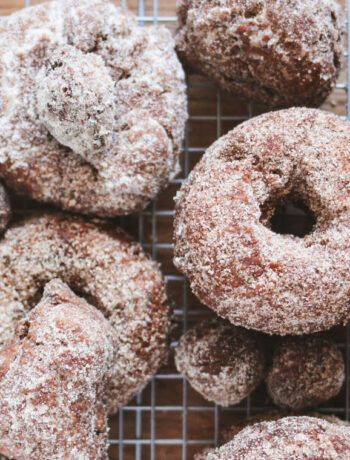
(92, 120)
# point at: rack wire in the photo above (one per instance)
(168, 420)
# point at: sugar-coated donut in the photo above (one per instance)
(92, 106)
(228, 434)
(104, 266)
(222, 362)
(305, 372)
(297, 438)
(281, 53)
(54, 374)
(238, 266)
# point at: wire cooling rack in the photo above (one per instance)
(169, 420)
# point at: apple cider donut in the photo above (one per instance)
(106, 268)
(54, 373)
(297, 438)
(305, 372)
(281, 53)
(92, 107)
(222, 362)
(237, 265)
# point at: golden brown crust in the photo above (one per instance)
(92, 107)
(53, 375)
(104, 266)
(236, 264)
(279, 52)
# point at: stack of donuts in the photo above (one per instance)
(93, 110)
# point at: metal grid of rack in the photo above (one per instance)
(168, 419)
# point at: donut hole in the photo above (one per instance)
(292, 217)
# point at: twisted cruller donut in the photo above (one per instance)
(297, 438)
(254, 277)
(92, 106)
(110, 271)
(54, 374)
(279, 52)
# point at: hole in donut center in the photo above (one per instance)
(35, 299)
(292, 216)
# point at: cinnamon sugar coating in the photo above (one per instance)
(222, 362)
(53, 376)
(228, 434)
(92, 106)
(298, 438)
(305, 372)
(239, 267)
(108, 270)
(278, 52)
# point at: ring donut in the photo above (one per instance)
(237, 265)
(92, 107)
(106, 268)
